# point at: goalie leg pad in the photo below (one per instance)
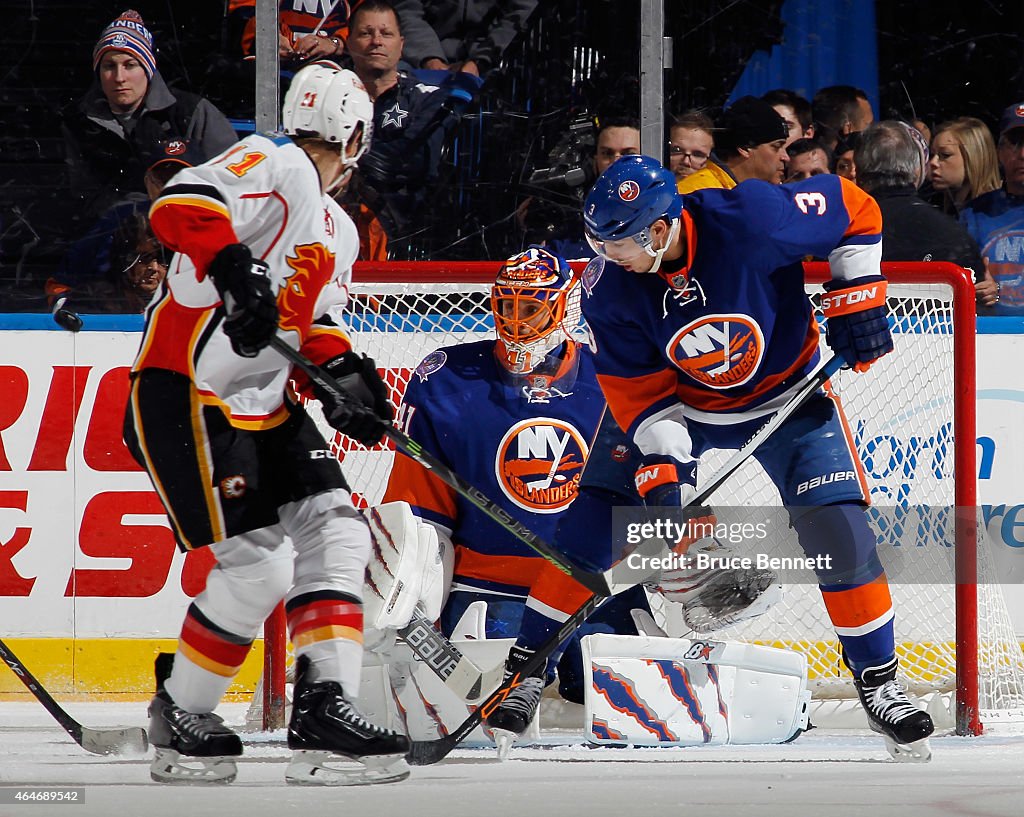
(406, 567)
(646, 691)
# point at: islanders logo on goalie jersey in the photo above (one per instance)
(539, 462)
(527, 456)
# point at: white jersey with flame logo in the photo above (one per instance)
(263, 192)
(527, 455)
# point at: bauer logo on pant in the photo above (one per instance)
(539, 462)
(720, 351)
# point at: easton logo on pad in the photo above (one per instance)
(539, 462)
(719, 351)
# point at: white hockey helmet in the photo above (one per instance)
(330, 103)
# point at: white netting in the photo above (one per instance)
(901, 416)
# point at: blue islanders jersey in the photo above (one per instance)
(996, 221)
(732, 343)
(526, 455)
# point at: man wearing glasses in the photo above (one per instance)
(690, 143)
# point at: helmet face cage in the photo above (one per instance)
(536, 305)
(330, 103)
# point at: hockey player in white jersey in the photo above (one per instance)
(262, 249)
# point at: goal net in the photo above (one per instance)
(912, 417)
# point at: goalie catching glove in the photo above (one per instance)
(856, 325)
(366, 412)
(665, 482)
(243, 283)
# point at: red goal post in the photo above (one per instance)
(401, 311)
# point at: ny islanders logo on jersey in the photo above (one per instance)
(720, 351)
(539, 462)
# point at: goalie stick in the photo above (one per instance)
(130, 740)
(617, 578)
(459, 674)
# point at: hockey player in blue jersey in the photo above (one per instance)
(703, 327)
(515, 417)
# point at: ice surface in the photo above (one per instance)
(832, 774)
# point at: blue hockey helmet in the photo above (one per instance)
(632, 194)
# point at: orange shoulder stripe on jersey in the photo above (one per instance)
(518, 571)
(555, 589)
(709, 400)
(411, 482)
(630, 397)
(857, 606)
(865, 216)
(198, 226)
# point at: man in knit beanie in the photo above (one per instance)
(112, 132)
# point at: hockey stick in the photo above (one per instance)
(459, 674)
(594, 582)
(426, 752)
(130, 740)
(617, 578)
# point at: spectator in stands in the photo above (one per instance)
(749, 144)
(90, 259)
(127, 113)
(996, 219)
(461, 35)
(411, 121)
(616, 136)
(795, 111)
(889, 167)
(838, 111)
(690, 142)
(303, 34)
(843, 162)
(807, 157)
(963, 162)
(138, 266)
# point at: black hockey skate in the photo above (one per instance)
(893, 715)
(517, 711)
(325, 727)
(190, 747)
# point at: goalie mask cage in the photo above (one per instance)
(913, 419)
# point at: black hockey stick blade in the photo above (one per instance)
(595, 582)
(130, 740)
(427, 752)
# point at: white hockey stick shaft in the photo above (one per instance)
(459, 673)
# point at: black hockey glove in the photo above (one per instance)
(249, 300)
(368, 412)
(666, 483)
(856, 326)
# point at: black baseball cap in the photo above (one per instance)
(749, 122)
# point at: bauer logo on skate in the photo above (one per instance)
(720, 351)
(539, 462)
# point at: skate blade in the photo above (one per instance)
(319, 768)
(169, 767)
(504, 739)
(920, 751)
